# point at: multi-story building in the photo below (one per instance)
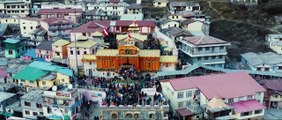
(15, 7)
(269, 61)
(245, 2)
(273, 94)
(8, 19)
(233, 89)
(95, 14)
(14, 47)
(62, 103)
(44, 51)
(111, 7)
(28, 26)
(57, 27)
(70, 14)
(42, 75)
(37, 36)
(77, 49)
(205, 50)
(32, 104)
(160, 3)
(176, 7)
(36, 6)
(59, 49)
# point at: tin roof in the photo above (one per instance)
(149, 53)
(168, 59)
(30, 74)
(83, 44)
(246, 106)
(268, 58)
(59, 10)
(61, 42)
(12, 40)
(203, 40)
(5, 96)
(45, 45)
(107, 52)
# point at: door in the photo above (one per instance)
(90, 72)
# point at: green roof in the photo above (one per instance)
(30, 73)
(6, 114)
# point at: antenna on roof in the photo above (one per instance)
(54, 88)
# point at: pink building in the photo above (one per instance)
(73, 15)
(44, 51)
(56, 27)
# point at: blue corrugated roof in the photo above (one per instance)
(51, 67)
(31, 53)
(12, 40)
(3, 28)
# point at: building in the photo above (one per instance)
(15, 7)
(176, 33)
(165, 23)
(77, 49)
(9, 20)
(205, 50)
(113, 8)
(32, 104)
(89, 29)
(238, 90)
(42, 75)
(14, 47)
(273, 96)
(121, 26)
(51, 5)
(176, 7)
(262, 61)
(3, 76)
(59, 49)
(275, 42)
(95, 14)
(28, 26)
(6, 99)
(63, 103)
(197, 28)
(132, 17)
(134, 9)
(245, 2)
(107, 62)
(37, 36)
(57, 27)
(160, 3)
(44, 51)
(157, 110)
(70, 14)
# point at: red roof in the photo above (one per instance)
(148, 23)
(56, 10)
(246, 106)
(55, 20)
(92, 26)
(184, 112)
(229, 85)
(3, 73)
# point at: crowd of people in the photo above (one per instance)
(128, 72)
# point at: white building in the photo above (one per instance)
(176, 7)
(31, 104)
(160, 3)
(205, 50)
(165, 23)
(15, 7)
(238, 90)
(28, 26)
(246, 2)
(269, 61)
(113, 8)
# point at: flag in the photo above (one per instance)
(128, 35)
(105, 31)
(194, 96)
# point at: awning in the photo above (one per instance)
(246, 106)
(66, 117)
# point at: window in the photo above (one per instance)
(31, 27)
(280, 68)
(24, 28)
(84, 34)
(230, 100)
(26, 103)
(43, 82)
(78, 52)
(180, 104)
(188, 103)
(250, 97)
(197, 92)
(34, 113)
(188, 94)
(199, 49)
(27, 112)
(207, 48)
(63, 80)
(90, 63)
(10, 52)
(220, 57)
(266, 69)
(246, 114)
(258, 111)
(85, 52)
(38, 105)
(71, 52)
(206, 58)
(258, 69)
(199, 58)
(57, 53)
(213, 57)
(180, 95)
(221, 47)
